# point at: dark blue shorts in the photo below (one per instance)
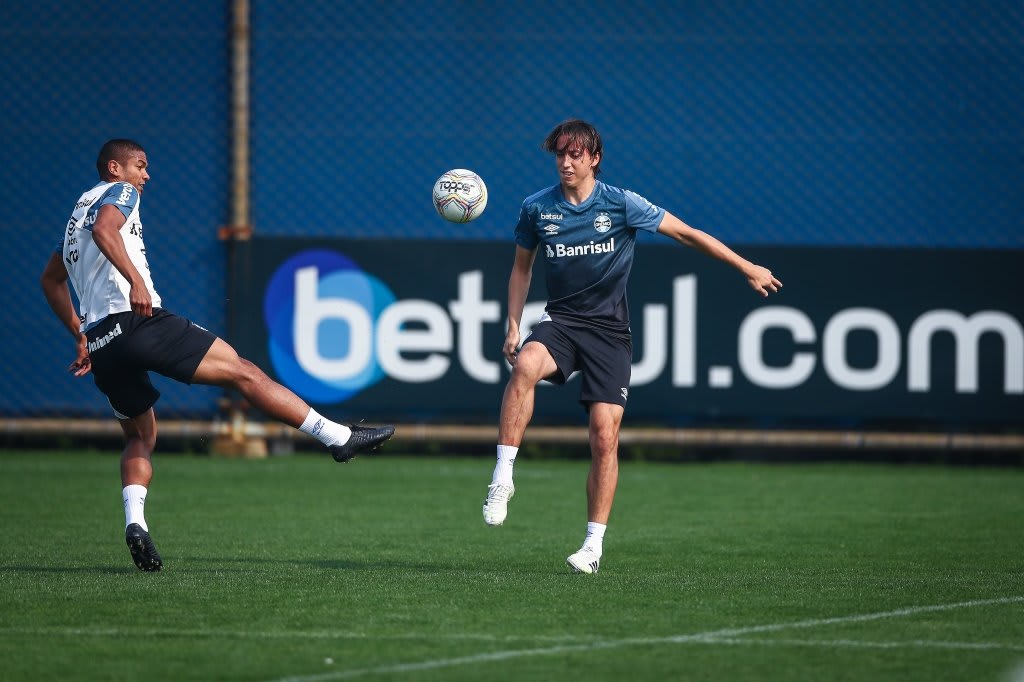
(125, 347)
(602, 358)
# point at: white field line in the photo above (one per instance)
(709, 637)
(855, 643)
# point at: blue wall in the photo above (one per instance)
(783, 123)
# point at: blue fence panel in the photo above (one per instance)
(776, 123)
(76, 74)
(871, 123)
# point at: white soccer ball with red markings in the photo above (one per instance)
(460, 195)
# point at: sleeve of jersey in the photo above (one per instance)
(642, 214)
(526, 235)
(122, 195)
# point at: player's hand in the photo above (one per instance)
(511, 347)
(142, 302)
(83, 363)
(762, 280)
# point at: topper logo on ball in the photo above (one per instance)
(457, 186)
(460, 195)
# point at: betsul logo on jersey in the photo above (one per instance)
(320, 310)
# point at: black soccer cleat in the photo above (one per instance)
(363, 439)
(143, 550)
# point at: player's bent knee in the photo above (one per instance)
(246, 375)
(526, 377)
(148, 441)
(533, 364)
(145, 439)
(142, 428)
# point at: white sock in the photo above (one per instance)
(503, 468)
(324, 430)
(134, 497)
(595, 537)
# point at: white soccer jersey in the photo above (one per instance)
(101, 289)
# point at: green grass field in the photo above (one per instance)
(296, 568)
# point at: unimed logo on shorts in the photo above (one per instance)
(320, 310)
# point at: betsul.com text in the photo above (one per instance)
(336, 330)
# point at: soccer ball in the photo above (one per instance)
(460, 195)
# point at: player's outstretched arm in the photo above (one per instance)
(54, 282)
(760, 278)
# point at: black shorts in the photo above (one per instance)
(124, 347)
(603, 358)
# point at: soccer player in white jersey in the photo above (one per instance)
(122, 333)
(586, 231)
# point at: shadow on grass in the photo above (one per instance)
(99, 570)
(197, 564)
(234, 565)
(326, 564)
(213, 564)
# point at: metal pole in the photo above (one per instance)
(240, 120)
(238, 440)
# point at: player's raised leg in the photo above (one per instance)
(222, 366)
(533, 363)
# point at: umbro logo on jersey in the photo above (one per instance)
(550, 216)
(550, 228)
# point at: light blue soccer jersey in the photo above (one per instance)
(588, 251)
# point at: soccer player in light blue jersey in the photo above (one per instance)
(585, 231)
(122, 333)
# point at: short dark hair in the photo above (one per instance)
(580, 133)
(115, 150)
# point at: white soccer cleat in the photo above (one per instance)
(584, 561)
(496, 503)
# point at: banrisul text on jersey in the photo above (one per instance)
(588, 251)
